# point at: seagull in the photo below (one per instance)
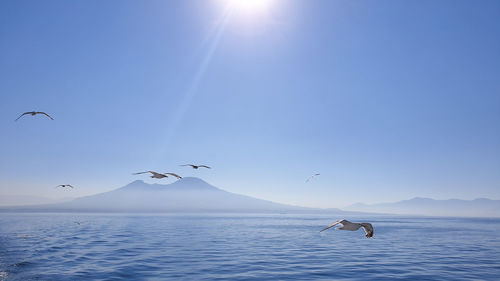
(65, 185)
(77, 222)
(197, 166)
(154, 174)
(174, 175)
(352, 226)
(309, 178)
(33, 113)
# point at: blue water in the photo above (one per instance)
(244, 247)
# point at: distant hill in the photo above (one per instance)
(429, 207)
(185, 195)
(195, 195)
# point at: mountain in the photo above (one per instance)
(429, 207)
(185, 195)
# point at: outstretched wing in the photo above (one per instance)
(45, 114)
(70, 185)
(333, 224)
(142, 173)
(204, 166)
(175, 175)
(157, 174)
(22, 115)
(188, 165)
(368, 228)
(309, 178)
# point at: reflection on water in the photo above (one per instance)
(244, 247)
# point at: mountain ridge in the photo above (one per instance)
(191, 194)
(479, 207)
(188, 194)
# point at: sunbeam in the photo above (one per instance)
(192, 88)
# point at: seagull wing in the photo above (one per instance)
(309, 178)
(204, 166)
(70, 185)
(141, 173)
(333, 224)
(368, 228)
(187, 165)
(175, 175)
(22, 115)
(45, 114)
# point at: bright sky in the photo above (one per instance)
(388, 100)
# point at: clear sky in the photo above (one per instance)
(388, 100)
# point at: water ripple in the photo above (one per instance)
(243, 247)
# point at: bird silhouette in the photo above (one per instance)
(154, 174)
(309, 178)
(196, 166)
(174, 175)
(33, 113)
(65, 185)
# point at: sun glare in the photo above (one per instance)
(250, 6)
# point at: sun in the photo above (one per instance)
(247, 15)
(250, 6)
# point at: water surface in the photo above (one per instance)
(244, 247)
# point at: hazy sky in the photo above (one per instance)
(386, 99)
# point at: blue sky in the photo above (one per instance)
(386, 99)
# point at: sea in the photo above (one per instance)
(78, 246)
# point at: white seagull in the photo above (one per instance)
(197, 166)
(154, 174)
(174, 175)
(33, 113)
(309, 178)
(353, 226)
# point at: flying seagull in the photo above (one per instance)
(65, 185)
(174, 175)
(33, 113)
(197, 166)
(352, 226)
(309, 178)
(154, 174)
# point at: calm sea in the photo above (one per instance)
(244, 247)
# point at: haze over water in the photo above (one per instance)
(244, 247)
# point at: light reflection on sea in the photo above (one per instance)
(244, 247)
